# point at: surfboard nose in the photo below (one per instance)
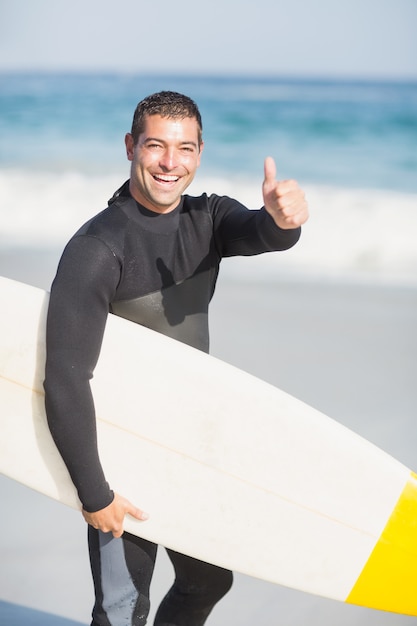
(388, 579)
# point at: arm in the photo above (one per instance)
(276, 226)
(85, 284)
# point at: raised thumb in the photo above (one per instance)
(270, 170)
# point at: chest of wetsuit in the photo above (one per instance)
(156, 270)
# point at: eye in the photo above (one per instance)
(152, 145)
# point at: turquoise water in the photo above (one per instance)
(340, 133)
(351, 145)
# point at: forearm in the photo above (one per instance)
(276, 238)
(71, 419)
(243, 232)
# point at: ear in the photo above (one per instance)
(201, 147)
(130, 146)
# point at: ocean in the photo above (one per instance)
(351, 145)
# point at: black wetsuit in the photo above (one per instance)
(158, 270)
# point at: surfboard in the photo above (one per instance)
(232, 470)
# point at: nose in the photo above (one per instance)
(168, 159)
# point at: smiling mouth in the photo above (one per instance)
(165, 178)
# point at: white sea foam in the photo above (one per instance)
(354, 233)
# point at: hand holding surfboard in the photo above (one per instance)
(111, 519)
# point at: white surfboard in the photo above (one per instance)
(232, 470)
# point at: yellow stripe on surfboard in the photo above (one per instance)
(388, 580)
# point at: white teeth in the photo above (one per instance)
(166, 178)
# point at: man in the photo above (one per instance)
(153, 257)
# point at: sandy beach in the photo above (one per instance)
(347, 349)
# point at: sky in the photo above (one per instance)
(301, 38)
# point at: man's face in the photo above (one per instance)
(164, 161)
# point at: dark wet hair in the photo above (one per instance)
(166, 104)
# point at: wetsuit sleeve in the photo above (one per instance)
(240, 231)
(86, 280)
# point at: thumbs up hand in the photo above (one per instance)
(284, 200)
